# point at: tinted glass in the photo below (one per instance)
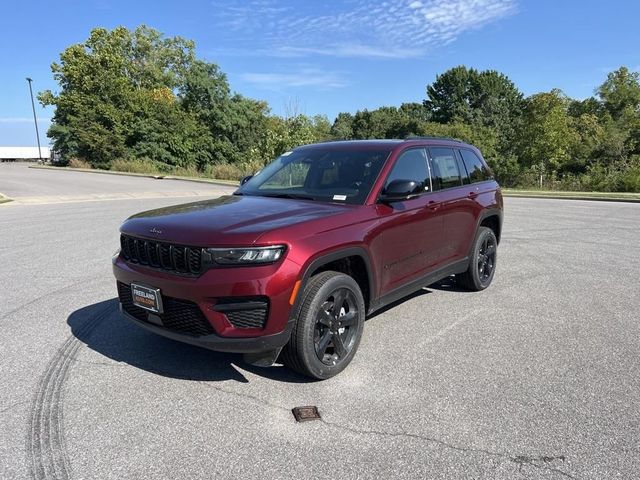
(444, 168)
(411, 165)
(322, 174)
(476, 169)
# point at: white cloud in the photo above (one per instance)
(305, 77)
(358, 28)
(22, 119)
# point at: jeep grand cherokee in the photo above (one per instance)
(291, 264)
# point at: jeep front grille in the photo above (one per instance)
(163, 256)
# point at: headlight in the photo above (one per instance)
(246, 256)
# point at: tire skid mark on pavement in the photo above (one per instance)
(46, 443)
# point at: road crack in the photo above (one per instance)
(518, 459)
(47, 295)
(12, 406)
(541, 462)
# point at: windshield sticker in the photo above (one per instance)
(339, 197)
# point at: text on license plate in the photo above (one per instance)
(146, 297)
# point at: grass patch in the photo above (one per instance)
(514, 192)
(79, 163)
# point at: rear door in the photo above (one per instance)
(458, 212)
(411, 232)
(479, 188)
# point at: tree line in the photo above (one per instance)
(136, 100)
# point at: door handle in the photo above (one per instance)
(433, 205)
(473, 194)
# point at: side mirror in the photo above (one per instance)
(399, 190)
(246, 179)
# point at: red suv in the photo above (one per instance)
(291, 264)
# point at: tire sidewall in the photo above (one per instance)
(307, 319)
(483, 233)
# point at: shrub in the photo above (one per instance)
(78, 163)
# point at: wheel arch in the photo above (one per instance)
(492, 219)
(353, 261)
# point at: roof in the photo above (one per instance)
(23, 153)
(382, 143)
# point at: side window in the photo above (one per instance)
(461, 168)
(444, 168)
(411, 165)
(476, 169)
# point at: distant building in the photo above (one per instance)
(12, 154)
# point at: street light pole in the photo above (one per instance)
(35, 120)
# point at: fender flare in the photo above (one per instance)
(329, 257)
(491, 212)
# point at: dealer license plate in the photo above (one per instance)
(146, 297)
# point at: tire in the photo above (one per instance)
(482, 265)
(325, 337)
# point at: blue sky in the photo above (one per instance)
(326, 57)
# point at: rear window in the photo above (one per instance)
(476, 169)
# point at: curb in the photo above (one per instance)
(227, 183)
(573, 197)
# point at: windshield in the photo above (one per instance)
(326, 175)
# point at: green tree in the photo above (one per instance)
(548, 134)
(117, 100)
(342, 128)
(620, 93)
(486, 98)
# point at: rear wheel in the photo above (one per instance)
(482, 265)
(329, 326)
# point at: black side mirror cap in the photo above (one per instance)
(246, 179)
(399, 190)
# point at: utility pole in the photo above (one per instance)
(35, 120)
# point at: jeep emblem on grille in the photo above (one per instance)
(155, 230)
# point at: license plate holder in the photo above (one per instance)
(146, 297)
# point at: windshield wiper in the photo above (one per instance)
(297, 196)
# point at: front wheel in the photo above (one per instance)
(329, 326)
(482, 264)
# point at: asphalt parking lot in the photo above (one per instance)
(535, 378)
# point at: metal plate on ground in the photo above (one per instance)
(305, 414)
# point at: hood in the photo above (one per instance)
(225, 221)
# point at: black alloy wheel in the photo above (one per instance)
(336, 327)
(487, 258)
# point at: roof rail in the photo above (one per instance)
(419, 137)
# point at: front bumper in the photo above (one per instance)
(221, 344)
(206, 296)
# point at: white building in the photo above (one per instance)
(9, 154)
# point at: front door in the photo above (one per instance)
(410, 243)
